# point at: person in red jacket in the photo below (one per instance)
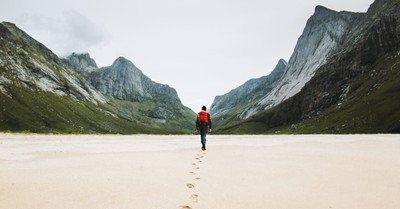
(203, 125)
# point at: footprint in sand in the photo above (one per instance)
(195, 198)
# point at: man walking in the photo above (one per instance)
(203, 125)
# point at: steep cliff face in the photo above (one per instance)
(122, 80)
(225, 107)
(355, 91)
(323, 33)
(24, 62)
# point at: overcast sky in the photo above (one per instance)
(201, 48)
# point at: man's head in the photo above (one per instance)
(204, 108)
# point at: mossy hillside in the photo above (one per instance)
(43, 112)
(175, 119)
(372, 108)
(231, 116)
(252, 125)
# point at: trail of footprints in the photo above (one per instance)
(196, 166)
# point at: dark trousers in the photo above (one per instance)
(203, 133)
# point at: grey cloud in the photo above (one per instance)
(69, 32)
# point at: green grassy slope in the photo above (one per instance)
(231, 116)
(174, 119)
(42, 112)
(373, 107)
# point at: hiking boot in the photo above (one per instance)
(203, 147)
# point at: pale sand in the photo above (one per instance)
(162, 172)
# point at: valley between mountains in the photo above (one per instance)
(343, 77)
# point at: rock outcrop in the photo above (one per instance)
(80, 62)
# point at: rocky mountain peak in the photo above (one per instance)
(322, 11)
(327, 18)
(21, 39)
(378, 5)
(123, 64)
(122, 61)
(279, 68)
(9, 28)
(80, 62)
(325, 15)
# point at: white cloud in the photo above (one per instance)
(66, 33)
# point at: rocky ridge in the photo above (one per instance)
(355, 90)
(27, 63)
(323, 33)
(80, 62)
(39, 92)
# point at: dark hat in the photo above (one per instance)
(204, 108)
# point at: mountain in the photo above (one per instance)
(123, 80)
(133, 94)
(226, 108)
(40, 93)
(29, 64)
(322, 34)
(354, 90)
(80, 62)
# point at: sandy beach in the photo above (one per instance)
(163, 172)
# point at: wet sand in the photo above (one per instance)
(162, 172)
